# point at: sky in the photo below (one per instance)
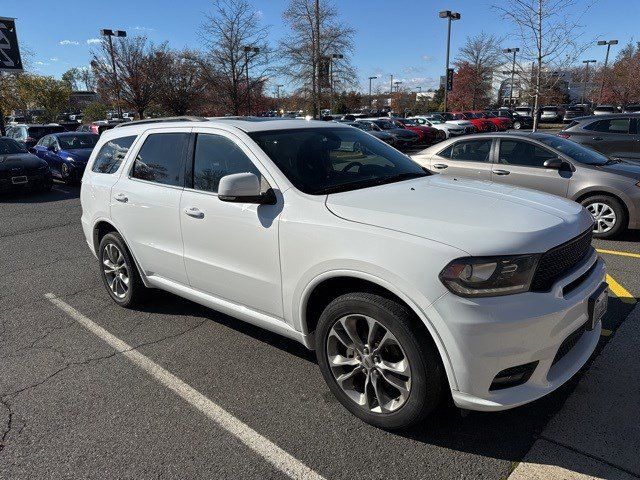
(400, 37)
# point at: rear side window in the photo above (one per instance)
(470, 151)
(614, 125)
(39, 132)
(216, 156)
(161, 158)
(111, 155)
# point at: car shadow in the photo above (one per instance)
(506, 435)
(59, 191)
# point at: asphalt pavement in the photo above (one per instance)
(73, 406)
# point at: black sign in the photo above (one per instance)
(9, 52)
(449, 79)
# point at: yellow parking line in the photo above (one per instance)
(605, 332)
(616, 252)
(619, 291)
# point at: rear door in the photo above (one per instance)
(145, 202)
(521, 163)
(465, 158)
(613, 137)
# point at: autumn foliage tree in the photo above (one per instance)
(621, 85)
(471, 88)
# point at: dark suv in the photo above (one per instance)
(28, 134)
(614, 135)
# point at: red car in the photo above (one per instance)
(428, 135)
(482, 124)
(502, 123)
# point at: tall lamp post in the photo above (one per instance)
(370, 97)
(586, 77)
(449, 15)
(397, 86)
(332, 57)
(247, 50)
(391, 84)
(114, 33)
(513, 71)
(278, 95)
(608, 43)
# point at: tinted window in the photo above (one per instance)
(574, 150)
(217, 156)
(74, 142)
(470, 150)
(334, 159)
(39, 132)
(614, 125)
(9, 146)
(111, 154)
(161, 158)
(513, 152)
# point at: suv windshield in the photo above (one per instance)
(9, 146)
(576, 151)
(330, 160)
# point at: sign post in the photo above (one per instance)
(10, 60)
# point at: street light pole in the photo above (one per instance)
(586, 77)
(114, 33)
(513, 71)
(278, 94)
(397, 86)
(391, 84)
(370, 97)
(449, 15)
(331, 58)
(606, 60)
(249, 49)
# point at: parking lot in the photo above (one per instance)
(73, 406)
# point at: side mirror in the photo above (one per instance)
(243, 188)
(553, 163)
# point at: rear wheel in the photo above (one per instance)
(377, 362)
(610, 218)
(517, 125)
(119, 272)
(441, 135)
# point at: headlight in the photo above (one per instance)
(489, 276)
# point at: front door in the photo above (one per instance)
(521, 163)
(465, 158)
(145, 203)
(230, 249)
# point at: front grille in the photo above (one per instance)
(569, 343)
(555, 263)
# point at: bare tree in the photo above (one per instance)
(481, 55)
(140, 67)
(182, 90)
(549, 36)
(231, 26)
(317, 34)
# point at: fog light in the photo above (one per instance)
(513, 376)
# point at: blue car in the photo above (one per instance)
(66, 153)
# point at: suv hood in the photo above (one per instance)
(480, 218)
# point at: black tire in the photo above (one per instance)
(517, 125)
(426, 368)
(621, 221)
(136, 292)
(441, 136)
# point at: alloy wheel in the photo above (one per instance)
(115, 270)
(368, 363)
(604, 216)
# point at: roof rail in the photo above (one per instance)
(163, 120)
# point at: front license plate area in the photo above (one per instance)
(598, 302)
(20, 180)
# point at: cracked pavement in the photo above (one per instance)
(73, 407)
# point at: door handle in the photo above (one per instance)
(501, 172)
(121, 197)
(597, 139)
(194, 212)
(440, 166)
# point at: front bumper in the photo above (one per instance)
(488, 335)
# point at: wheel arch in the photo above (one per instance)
(328, 286)
(607, 193)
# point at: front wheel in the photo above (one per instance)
(610, 218)
(377, 361)
(517, 125)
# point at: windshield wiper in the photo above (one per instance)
(370, 182)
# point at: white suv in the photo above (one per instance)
(410, 287)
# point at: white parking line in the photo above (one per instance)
(268, 450)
